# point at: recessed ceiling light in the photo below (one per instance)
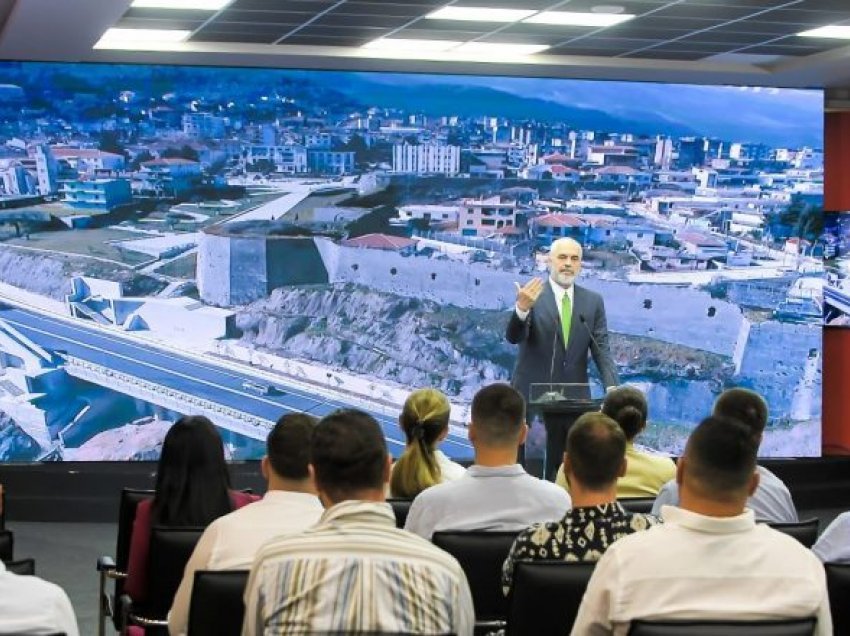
(410, 45)
(200, 5)
(480, 14)
(498, 48)
(835, 31)
(140, 38)
(574, 18)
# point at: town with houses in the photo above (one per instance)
(178, 212)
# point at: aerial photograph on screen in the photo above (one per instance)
(243, 243)
(836, 258)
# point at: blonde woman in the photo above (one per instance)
(425, 422)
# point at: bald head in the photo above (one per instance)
(565, 261)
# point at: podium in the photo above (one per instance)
(559, 405)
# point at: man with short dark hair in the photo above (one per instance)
(289, 506)
(595, 457)
(709, 560)
(772, 500)
(496, 493)
(354, 571)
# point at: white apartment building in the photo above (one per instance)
(426, 158)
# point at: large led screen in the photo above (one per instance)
(243, 243)
(836, 252)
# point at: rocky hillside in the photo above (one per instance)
(49, 274)
(420, 343)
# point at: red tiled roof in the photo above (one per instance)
(618, 170)
(556, 156)
(169, 161)
(380, 242)
(81, 152)
(558, 220)
(559, 169)
(699, 239)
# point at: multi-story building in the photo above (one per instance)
(203, 125)
(330, 161)
(90, 160)
(172, 177)
(47, 169)
(15, 179)
(428, 158)
(289, 158)
(482, 217)
(97, 193)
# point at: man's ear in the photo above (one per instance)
(755, 480)
(680, 469)
(523, 434)
(264, 467)
(623, 467)
(388, 468)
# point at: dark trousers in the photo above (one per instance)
(557, 426)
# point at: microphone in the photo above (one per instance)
(589, 332)
(552, 396)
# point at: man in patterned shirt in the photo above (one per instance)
(595, 457)
(354, 571)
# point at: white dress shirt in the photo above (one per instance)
(30, 605)
(699, 567)
(231, 542)
(833, 546)
(487, 498)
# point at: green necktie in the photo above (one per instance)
(566, 317)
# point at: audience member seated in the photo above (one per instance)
(290, 505)
(709, 560)
(772, 500)
(646, 473)
(192, 489)
(425, 422)
(833, 546)
(30, 605)
(354, 571)
(496, 493)
(595, 457)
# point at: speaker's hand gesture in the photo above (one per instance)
(528, 294)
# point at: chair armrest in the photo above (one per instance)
(105, 563)
(135, 619)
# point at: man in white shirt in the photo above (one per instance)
(772, 500)
(833, 546)
(354, 572)
(496, 493)
(30, 605)
(709, 560)
(289, 506)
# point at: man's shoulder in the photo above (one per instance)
(769, 479)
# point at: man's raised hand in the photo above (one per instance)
(527, 294)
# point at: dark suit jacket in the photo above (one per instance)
(541, 331)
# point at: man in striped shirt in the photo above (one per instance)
(354, 571)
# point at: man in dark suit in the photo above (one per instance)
(552, 323)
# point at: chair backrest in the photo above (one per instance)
(7, 545)
(481, 555)
(788, 627)
(637, 504)
(400, 508)
(130, 498)
(21, 566)
(806, 531)
(545, 597)
(170, 549)
(838, 584)
(217, 608)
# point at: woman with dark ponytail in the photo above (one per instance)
(645, 472)
(425, 422)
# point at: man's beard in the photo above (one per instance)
(564, 279)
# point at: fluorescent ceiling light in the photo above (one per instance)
(570, 18)
(480, 14)
(410, 45)
(497, 48)
(140, 38)
(200, 5)
(835, 31)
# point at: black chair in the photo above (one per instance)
(400, 508)
(637, 504)
(838, 584)
(170, 549)
(806, 531)
(216, 608)
(21, 566)
(788, 627)
(115, 568)
(481, 555)
(7, 545)
(2, 508)
(545, 597)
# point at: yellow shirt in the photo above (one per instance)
(645, 474)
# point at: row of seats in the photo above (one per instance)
(549, 592)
